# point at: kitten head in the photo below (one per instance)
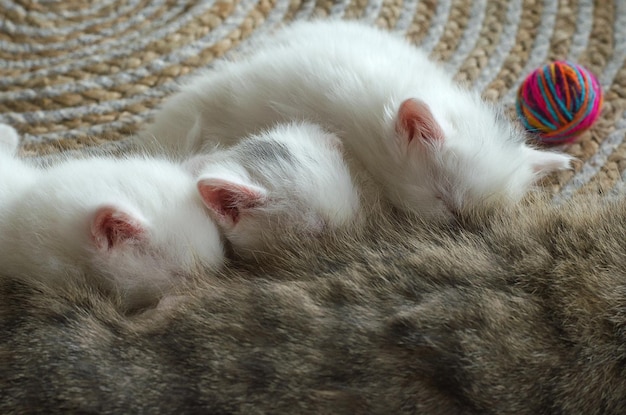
(467, 158)
(292, 178)
(137, 224)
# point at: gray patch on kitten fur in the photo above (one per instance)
(266, 152)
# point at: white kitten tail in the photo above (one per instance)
(9, 139)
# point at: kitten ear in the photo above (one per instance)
(9, 139)
(416, 121)
(112, 226)
(545, 162)
(228, 199)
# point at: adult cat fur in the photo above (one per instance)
(521, 313)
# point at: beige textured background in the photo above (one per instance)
(77, 74)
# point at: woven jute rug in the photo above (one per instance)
(77, 74)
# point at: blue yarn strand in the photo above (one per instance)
(555, 117)
(564, 110)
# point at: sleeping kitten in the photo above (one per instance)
(269, 186)
(417, 319)
(434, 148)
(133, 226)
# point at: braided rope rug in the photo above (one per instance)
(76, 73)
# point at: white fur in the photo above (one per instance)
(352, 78)
(299, 170)
(47, 220)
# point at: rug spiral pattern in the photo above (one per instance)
(77, 74)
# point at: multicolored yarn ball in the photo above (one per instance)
(559, 101)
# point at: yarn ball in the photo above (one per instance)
(559, 101)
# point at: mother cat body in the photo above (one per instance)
(434, 148)
(408, 319)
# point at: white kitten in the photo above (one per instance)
(134, 224)
(434, 148)
(287, 180)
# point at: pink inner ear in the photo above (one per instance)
(112, 226)
(415, 120)
(228, 199)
